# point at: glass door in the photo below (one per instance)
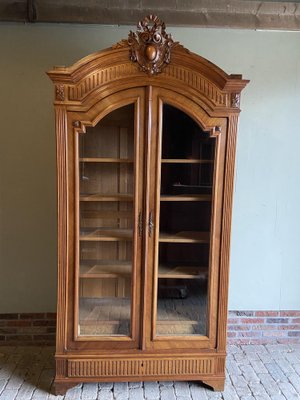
(187, 165)
(108, 208)
(186, 225)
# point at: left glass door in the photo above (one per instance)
(107, 209)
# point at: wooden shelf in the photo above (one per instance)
(182, 272)
(185, 161)
(105, 160)
(106, 197)
(106, 235)
(106, 269)
(184, 237)
(186, 197)
(117, 269)
(106, 214)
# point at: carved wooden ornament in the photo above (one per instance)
(150, 46)
(60, 92)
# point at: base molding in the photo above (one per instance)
(216, 384)
(143, 367)
(207, 368)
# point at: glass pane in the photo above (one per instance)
(185, 221)
(106, 180)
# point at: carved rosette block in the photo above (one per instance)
(150, 46)
(235, 100)
(60, 92)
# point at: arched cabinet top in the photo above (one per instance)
(128, 64)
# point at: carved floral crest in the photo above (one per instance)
(150, 46)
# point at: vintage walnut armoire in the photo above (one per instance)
(146, 137)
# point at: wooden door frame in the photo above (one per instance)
(77, 123)
(217, 128)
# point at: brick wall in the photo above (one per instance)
(29, 328)
(244, 327)
(262, 327)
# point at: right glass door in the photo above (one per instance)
(187, 157)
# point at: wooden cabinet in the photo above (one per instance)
(146, 134)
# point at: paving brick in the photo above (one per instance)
(288, 390)
(292, 357)
(151, 390)
(135, 393)
(249, 373)
(233, 349)
(233, 368)
(285, 366)
(73, 393)
(198, 392)
(254, 349)
(165, 383)
(7, 370)
(9, 394)
(167, 393)
(16, 380)
(121, 390)
(295, 381)
(42, 394)
(277, 348)
(105, 394)
(181, 388)
(278, 397)
(133, 385)
(213, 395)
(89, 391)
(269, 384)
(276, 372)
(241, 358)
(230, 393)
(26, 391)
(295, 366)
(106, 385)
(240, 385)
(258, 366)
(257, 389)
(3, 383)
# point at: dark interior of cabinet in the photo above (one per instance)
(187, 168)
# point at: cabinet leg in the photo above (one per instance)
(216, 385)
(61, 388)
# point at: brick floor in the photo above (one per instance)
(254, 372)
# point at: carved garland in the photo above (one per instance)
(150, 46)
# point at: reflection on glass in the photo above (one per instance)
(106, 173)
(185, 221)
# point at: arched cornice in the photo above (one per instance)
(109, 70)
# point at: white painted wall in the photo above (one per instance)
(265, 256)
